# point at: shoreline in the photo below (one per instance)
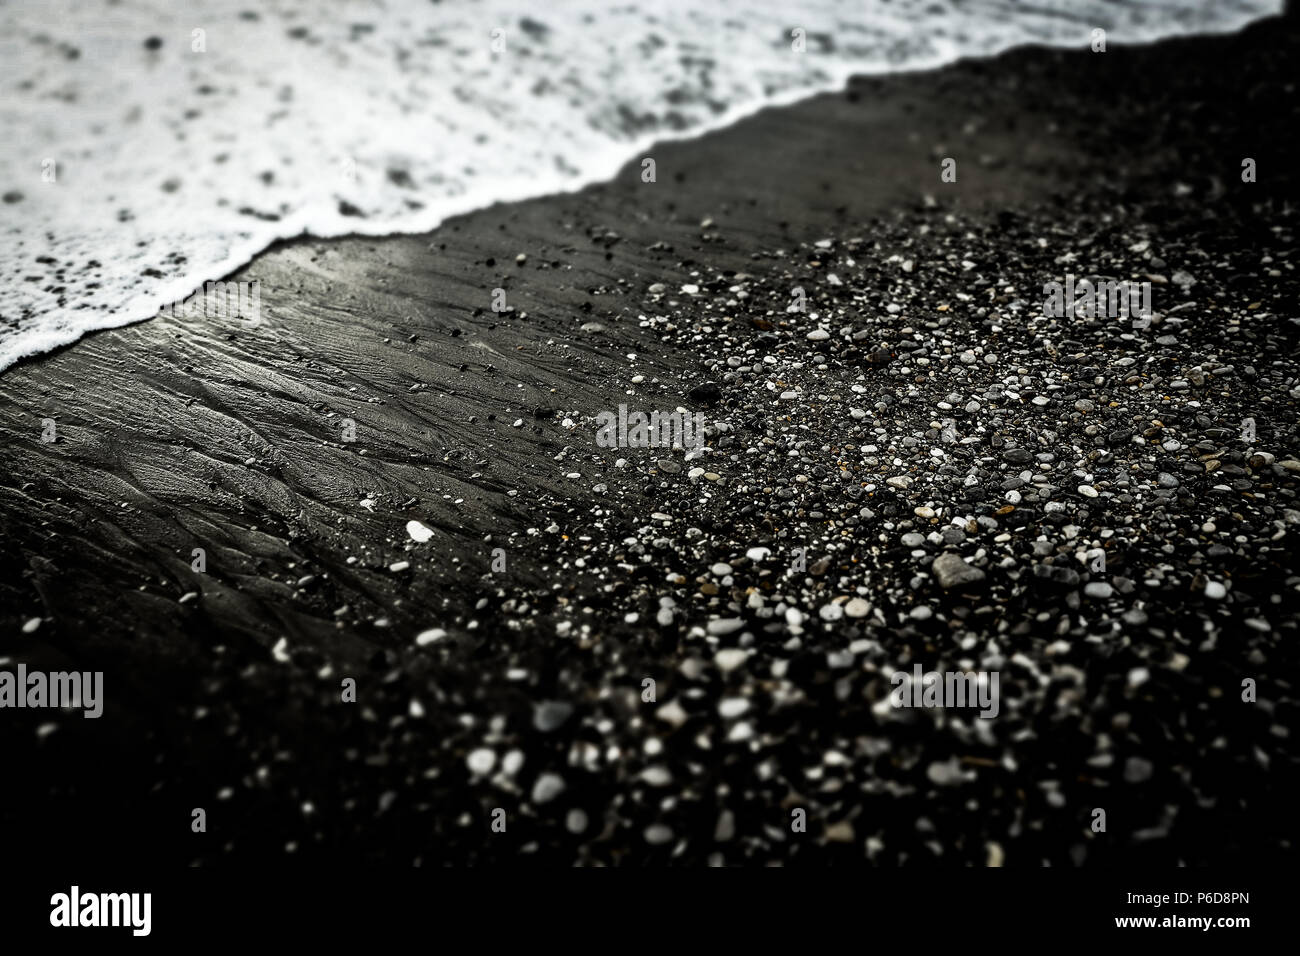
(175, 435)
(344, 225)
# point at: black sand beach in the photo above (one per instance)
(1121, 689)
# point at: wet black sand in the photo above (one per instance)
(177, 434)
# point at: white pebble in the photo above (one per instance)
(857, 607)
(481, 761)
(548, 787)
(418, 532)
(429, 636)
(730, 658)
(732, 706)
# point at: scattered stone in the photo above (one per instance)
(418, 532)
(1138, 770)
(547, 788)
(550, 715)
(481, 761)
(952, 572)
(857, 607)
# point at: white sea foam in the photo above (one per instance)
(173, 167)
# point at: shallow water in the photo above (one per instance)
(141, 158)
